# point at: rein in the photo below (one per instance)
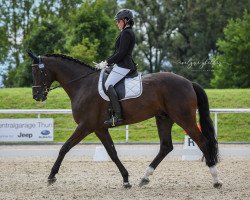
(76, 79)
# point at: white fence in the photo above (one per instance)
(68, 111)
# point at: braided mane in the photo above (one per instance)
(71, 59)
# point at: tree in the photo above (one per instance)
(153, 29)
(65, 7)
(4, 44)
(232, 64)
(86, 32)
(10, 17)
(181, 35)
(17, 18)
(85, 50)
(91, 22)
(45, 37)
(200, 25)
(15, 24)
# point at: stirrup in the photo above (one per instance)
(112, 121)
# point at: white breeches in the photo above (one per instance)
(117, 74)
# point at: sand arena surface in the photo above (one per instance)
(82, 178)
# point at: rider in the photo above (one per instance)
(121, 60)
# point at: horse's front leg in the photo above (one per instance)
(107, 142)
(164, 126)
(75, 138)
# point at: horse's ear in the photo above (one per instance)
(33, 56)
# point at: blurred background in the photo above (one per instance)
(206, 41)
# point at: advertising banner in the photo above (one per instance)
(38, 129)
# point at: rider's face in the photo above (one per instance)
(120, 24)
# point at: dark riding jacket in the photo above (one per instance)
(124, 46)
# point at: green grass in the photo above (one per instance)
(231, 127)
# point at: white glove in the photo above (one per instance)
(101, 65)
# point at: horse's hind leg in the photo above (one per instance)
(107, 142)
(164, 125)
(75, 138)
(200, 140)
(188, 123)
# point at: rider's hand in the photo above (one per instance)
(101, 65)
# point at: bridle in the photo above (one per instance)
(45, 87)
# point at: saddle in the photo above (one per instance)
(129, 87)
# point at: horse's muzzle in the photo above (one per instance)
(39, 94)
(39, 97)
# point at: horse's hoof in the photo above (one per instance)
(127, 185)
(218, 185)
(144, 181)
(51, 181)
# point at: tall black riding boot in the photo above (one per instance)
(115, 105)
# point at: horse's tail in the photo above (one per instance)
(206, 124)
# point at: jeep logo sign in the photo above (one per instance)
(26, 130)
(29, 135)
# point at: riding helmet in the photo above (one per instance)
(124, 13)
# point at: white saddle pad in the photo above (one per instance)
(133, 87)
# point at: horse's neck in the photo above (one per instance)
(71, 77)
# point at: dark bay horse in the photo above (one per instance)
(166, 96)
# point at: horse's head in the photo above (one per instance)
(41, 78)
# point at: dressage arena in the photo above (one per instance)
(25, 176)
